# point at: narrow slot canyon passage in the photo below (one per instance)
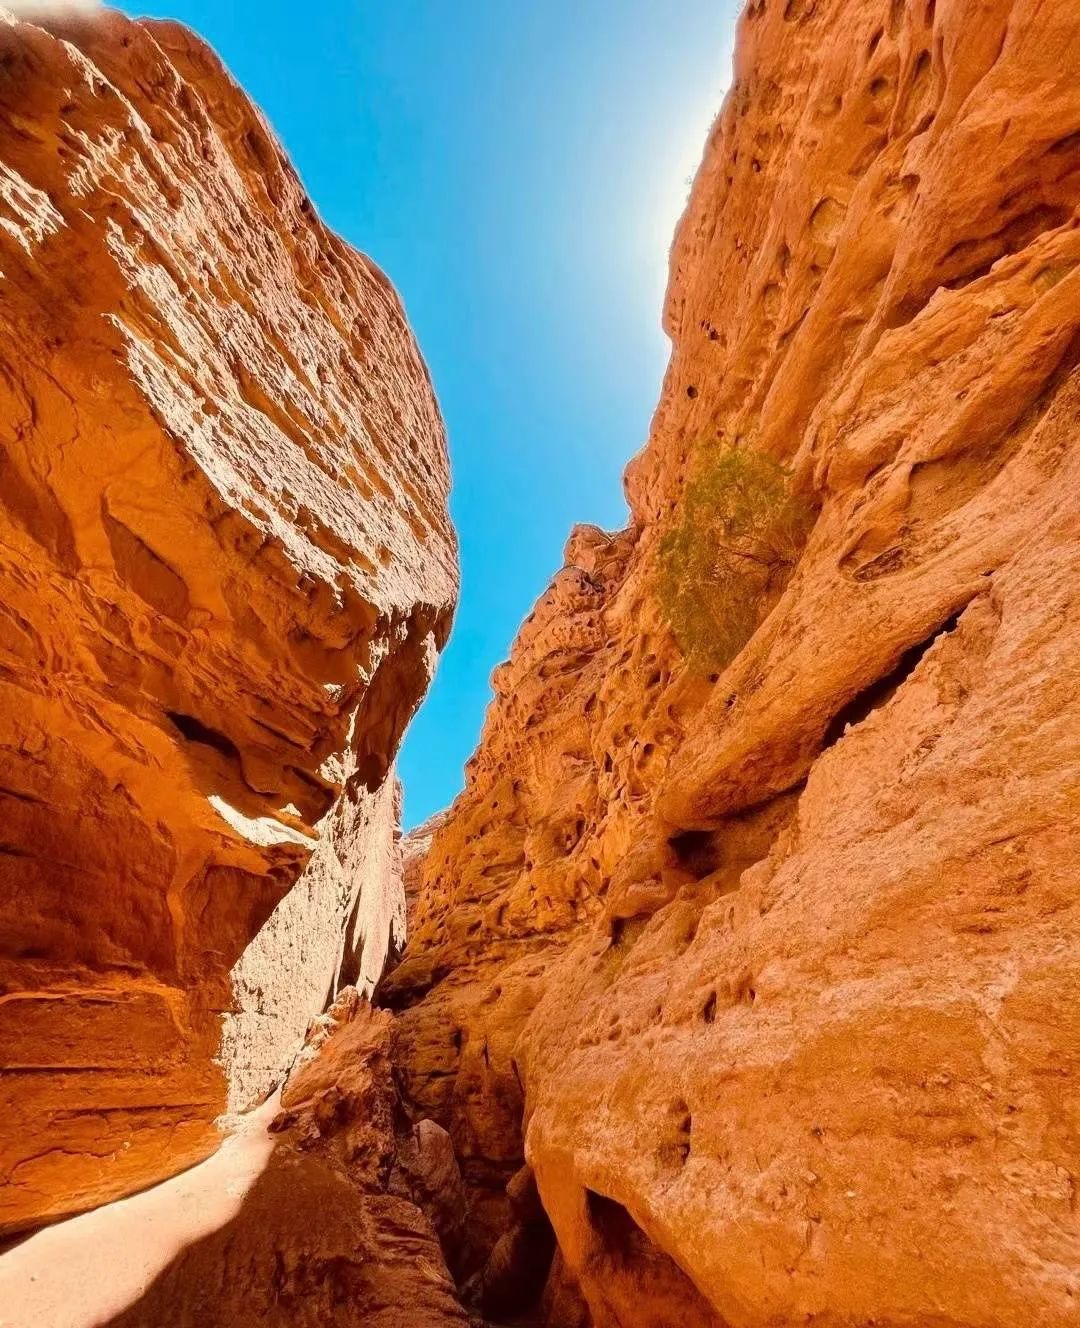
(733, 980)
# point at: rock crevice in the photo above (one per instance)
(742, 981)
(765, 966)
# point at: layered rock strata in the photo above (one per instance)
(769, 969)
(225, 570)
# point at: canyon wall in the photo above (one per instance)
(226, 568)
(761, 964)
(317, 1212)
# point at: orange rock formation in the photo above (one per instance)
(744, 985)
(225, 569)
(769, 970)
(303, 1219)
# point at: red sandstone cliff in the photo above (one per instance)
(225, 570)
(745, 968)
(769, 969)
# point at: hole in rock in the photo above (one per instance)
(696, 851)
(513, 1280)
(194, 730)
(371, 770)
(640, 1283)
(625, 931)
(872, 698)
(620, 1235)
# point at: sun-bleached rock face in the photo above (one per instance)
(226, 568)
(770, 970)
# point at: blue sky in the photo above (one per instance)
(517, 168)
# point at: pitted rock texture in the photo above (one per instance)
(771, 972)
(414, 851)
(225, 570)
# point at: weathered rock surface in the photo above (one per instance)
(414, 851)
(293, 1222)
(225, 569)
(771, 972)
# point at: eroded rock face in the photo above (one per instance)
(770, 971)
(225, 570)
(300, 1219)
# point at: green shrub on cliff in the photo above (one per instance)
(739, 535)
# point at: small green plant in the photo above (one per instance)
(739, 535)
